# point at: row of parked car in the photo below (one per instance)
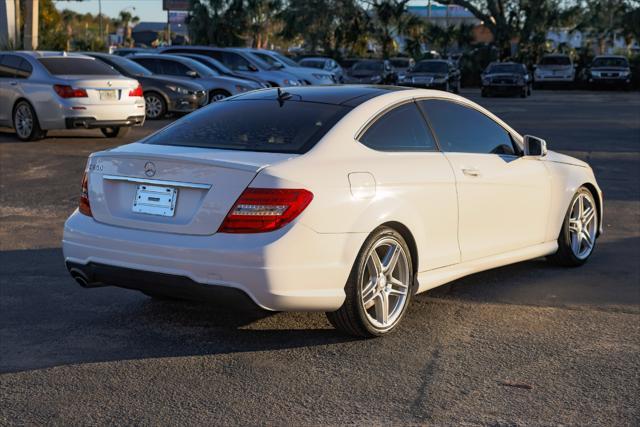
(55, 90)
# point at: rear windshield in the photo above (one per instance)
(555, 60)
(253, 125)
(76, 66)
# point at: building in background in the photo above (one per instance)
(148, 33)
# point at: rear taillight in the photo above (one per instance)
(84, 206)
(65, 91)
(258, 210)
(136, 92)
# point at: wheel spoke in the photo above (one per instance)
(391, 259)
(374, 264)
(368, 293)
(576, 240)
(580, 206)
(397, 283)
(573, 225)
(397, 292)
(586, 237)
(588, 217)
(382, 308)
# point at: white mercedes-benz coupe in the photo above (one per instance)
(343, 199)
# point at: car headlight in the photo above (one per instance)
(180, 90)
(241, 88)
(624, 73)
(288, 82)
(326, 77)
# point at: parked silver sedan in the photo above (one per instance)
(41, 91)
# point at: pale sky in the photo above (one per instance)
(146, 10)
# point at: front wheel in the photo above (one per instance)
(218, 95)
(115, 132)
(379, 287)
(579, 231)
(155, 106)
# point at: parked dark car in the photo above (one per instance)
(372, 71)
(162, 94)
(433, 74)
(507, 78)
(402, 65)
(220, 68)
(347, 63)
(219, 87)
(609, 70)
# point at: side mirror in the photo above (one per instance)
(534, 146)
(192, 74)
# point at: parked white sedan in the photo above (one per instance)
(41, 91)
(345, 199)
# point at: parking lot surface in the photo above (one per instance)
(524, 344)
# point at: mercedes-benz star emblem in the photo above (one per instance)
(109, 83)
(149, 169)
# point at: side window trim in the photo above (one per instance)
(514, 140)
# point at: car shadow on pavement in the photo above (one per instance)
(46, 319)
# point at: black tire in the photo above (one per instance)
(159, 106)
(115, 132)
(26, 123)
(565, 256)
(351, 318)
(218, 95)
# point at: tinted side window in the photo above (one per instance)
(235, 61)
(173, 68)
(13, 66)
(465, 130)
(150, 64)
(401, 129)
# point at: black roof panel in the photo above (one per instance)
(347, 95)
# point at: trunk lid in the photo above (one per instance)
(102, 90)
(185, 190)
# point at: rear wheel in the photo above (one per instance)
(578, 234)
(379, 287)
(218, 95)
(115, 132)
(155, 106)
(25, 122)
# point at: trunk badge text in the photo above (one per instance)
(149, 169)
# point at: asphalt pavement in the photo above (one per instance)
(527, 344)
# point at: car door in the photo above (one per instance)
(416, 178)
(503, 197)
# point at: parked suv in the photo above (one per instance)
(557, 69)
(609, 70)
(241, 62)
(40, 91)
(217, 86)
(162, 94)
(506, 78)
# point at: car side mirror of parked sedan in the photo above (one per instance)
(534, 146)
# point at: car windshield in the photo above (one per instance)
(431, 67)
(368, 66)
(202, 70)
(400, 63)
(130, 66)
(69, 66)
(285, 60)
(215, 65)
(264, 61)
(287, 127)
(506, 68)
(312, 63)
(610, 62)
(555, 60)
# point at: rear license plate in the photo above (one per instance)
(108, 95)
(155, 200)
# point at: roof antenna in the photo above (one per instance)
(283, 96)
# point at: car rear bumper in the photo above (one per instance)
(63, 114)
(292, 269)
(92, 122)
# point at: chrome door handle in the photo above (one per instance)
(471, 172)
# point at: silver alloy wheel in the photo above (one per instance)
(583, 222)
(385, 283)
(153, 106)
(218, 97)
(23, 121)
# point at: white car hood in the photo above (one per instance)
(553, 156)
